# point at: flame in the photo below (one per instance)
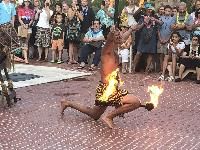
(155, 92)
(113, 83)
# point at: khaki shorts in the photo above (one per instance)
(58, 44)
(162, 48)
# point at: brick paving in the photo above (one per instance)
(35, 123)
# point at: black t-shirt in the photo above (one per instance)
(187, 50)
(53, 18)
(57, 31)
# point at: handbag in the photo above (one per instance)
(22, 32)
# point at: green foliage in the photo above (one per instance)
(97, 4)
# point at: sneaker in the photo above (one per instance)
(161, 78)
(53, 61)
(170, 79)
(59, 62)
(82, 65)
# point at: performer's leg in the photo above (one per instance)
(130, 103)
(94, 112)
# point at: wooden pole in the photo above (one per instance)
(116, 14)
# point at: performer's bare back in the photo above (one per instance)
(109, 56)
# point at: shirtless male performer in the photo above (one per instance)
(122, 101)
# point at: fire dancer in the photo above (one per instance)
(107, 92)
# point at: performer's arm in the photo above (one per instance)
(126, 35)
(108, 47)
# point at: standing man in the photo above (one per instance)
(106, 16)
(88, 16)
(164, 33)
(7, 13)
(183, 23)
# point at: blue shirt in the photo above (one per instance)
(7, 11)
(92, 34)
(165, 29)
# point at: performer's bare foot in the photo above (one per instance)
(64, 105)
(108, 122)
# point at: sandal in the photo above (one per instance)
(161, 78)
(170, 79)
(82, 65)
(59, 62)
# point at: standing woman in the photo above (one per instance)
(32, 47)
(73, 30)
(43, 35)
(25, 16)
(148, 37)
(196, 23)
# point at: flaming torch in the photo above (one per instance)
(155, 92)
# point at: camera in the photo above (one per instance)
(103, 3)
(79, 7)
(47, 4)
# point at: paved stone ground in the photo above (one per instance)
(35, 123)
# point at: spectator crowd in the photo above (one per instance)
(166, 39)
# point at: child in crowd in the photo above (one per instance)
(174, 50)
(124, 50)
(57, 38)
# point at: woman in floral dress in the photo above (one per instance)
(73, 30)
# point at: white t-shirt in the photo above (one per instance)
(124, 54)
(180, 45)
(43, 21)
(131, 19)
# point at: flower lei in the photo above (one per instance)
(196, 51)
(177, 18)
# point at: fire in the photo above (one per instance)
(155, 92)
(113, 83)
